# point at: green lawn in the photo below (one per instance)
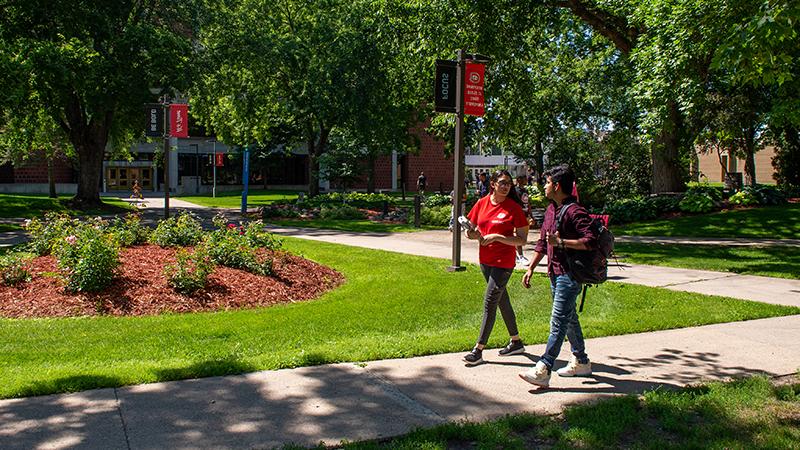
(35, 205)
(743, 414)
(774, 222)
(392, 306)
(359, 226)
(776, 261)
(233, 199)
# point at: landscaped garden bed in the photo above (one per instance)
(140, 288)
(120, 268)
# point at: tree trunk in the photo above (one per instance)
(371, 173)
(665, 154)
(89, 136)
(316, 147)
(750, 158)
(51, 181)
(264, 176)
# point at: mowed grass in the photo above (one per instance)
(744, 414)
(391, 306)
(774, 222)
(774, 261)
(35, 205)
(233, 199)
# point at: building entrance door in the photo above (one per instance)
(122, 178)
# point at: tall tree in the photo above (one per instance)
(309, 67)
(91, 64)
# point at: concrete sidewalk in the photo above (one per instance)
(379, 399)
(437, 244)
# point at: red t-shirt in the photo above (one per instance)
(503, 219)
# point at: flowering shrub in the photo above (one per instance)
(129, 230)
(88, 259)
(178, 231)
(235, 246)
(44, 233)
(190, 272)
(13, 270)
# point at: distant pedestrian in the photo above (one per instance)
(422, 181)
(482, 188)
(522, 193)
(500, 226)
(574, 233)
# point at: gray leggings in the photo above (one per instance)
(496, 295)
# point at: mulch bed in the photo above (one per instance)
(141, 288)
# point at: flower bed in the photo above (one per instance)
(141, 287)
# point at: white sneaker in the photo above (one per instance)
(538, 375)
(575, 369)
(522, 260)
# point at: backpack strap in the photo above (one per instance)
(561, 213)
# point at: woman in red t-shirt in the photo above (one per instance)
(501, 226)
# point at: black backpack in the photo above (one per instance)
(589, 266)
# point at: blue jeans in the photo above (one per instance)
(564, 320)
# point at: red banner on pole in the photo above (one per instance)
(220, 159)
(179, 120)
(473, 89)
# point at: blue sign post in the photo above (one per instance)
(245, 177)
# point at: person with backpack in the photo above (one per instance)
(499, 225)
(567, 227)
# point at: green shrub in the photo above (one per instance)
(715, 193)
(88, 259)
(190, 272)
(230, 246)
(129, 230)
(766, 195)
(13, 270)
(435, 216)
(280, 209)
(356, 199)
(45, 233)
(536, 198)
(436, 200)
(743, 198)
(339, 212)
(696, 202)
(182, 230)
(665, 203)
(631, 210)
(253, 231)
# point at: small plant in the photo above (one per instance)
(697, 202)
(766, 195)
(179, 231)
(631, 210)
(45, 233)
(88, 259)
(231, 246)
(129, 230)
(340, 212)
(13, 270)
(743, 198)
(436, 216)
(190, 272)
(433, 200)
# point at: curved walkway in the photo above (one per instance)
(379, 399)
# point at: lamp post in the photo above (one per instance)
(164, 100)
(214, 169)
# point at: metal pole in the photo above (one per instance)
(245, 178)
(458, 164)
(214, 187)
(166, 155)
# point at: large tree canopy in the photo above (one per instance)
(89, 67)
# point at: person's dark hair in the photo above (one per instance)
(512, 193)
(562, 175)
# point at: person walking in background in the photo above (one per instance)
(572, 232)
(500, 225)
(482, 189)
(421, 182)
(522, 193)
